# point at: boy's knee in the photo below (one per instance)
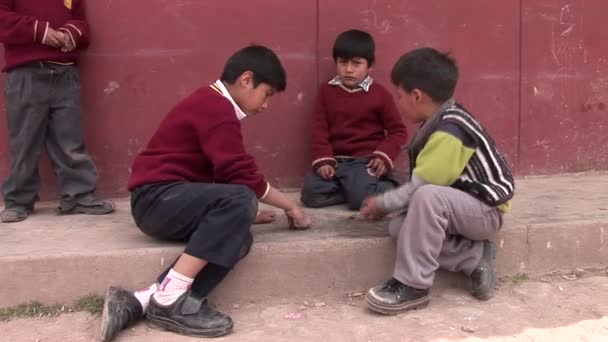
(245, 200)
(425, 195)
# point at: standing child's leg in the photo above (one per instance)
(444, 227)
(27, 109)
(318, 192)
(74, 167)
(358, 183)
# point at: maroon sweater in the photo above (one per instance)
(359, 124)
(24, 23)
(198, 141)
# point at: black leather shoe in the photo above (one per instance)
(394, 297)
(484, 278)
(120, 311)
(189, 315)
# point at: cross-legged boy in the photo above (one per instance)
(195, 182)
(356, 131)
(460, 188)
(42, 89)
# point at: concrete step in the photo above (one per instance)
(555, 310)
(557, 223)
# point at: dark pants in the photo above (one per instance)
(43, 107)
(214, 219)
(351, 185)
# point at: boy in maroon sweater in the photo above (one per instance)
(41, 42)
(195, 182)
(356, 130)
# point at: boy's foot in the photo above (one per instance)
(264, 217)
(189, 315)
(120, 310)
(484, 278)
(394, 297)
(16, 214)
(97, 207)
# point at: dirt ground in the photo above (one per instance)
(555, 308)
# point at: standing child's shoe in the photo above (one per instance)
(484, 278)
(17, 214)
(120, 311)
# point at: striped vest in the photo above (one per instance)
(487, 175)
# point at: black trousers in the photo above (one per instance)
(351, 185)
(213, 219)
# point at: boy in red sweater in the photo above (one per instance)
(41, 41)
(195, 182)
(356, 130)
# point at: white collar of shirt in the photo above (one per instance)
(365, 84)
(220, 86)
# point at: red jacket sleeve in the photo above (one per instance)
(223, 145)
(77, 28)
(19, 29)
(396, 136)
(322, 152)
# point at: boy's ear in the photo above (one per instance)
(417, 95)
(247, 79)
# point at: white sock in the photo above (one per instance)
(143, 295)
(173, 286)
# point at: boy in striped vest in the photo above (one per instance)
(460, 187)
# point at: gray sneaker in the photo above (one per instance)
(17, 214)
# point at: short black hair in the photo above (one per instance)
(261, 61)
(433, 72)
(355, 43)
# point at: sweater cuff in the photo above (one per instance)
(317, 163)
(388, 162)
(72, 31)
(66, 31)
(41, 29)
(265, 191)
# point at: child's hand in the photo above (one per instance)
(376, 165)
(67, 44)
(370, 209)
(54, 38)
(297, 219)
(326, 172)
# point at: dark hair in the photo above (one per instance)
(261, 61)
(433, 72)
(355, 43)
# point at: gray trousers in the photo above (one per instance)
(443, 227)
(43, 107)
(351, 185)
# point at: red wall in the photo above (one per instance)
(534, 71)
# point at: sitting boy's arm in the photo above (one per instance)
(396, 136)
(441, 161)
(77, 28)
(322, 152)
(223, 145)
(19, 29)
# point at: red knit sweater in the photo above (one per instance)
(359, 124)
(198, 141)
(24, 23)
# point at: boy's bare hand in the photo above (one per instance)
(326, 172)
(297, 219)
(376, 165)
(370, 209)
(54, 38)
(68, 45)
